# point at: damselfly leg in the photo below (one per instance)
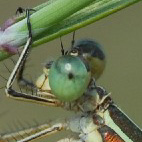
(18, 72)
(35, 132)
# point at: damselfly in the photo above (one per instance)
(69, 82)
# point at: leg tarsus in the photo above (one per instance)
(20, 10)
(35, 133)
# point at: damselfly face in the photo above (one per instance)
(84, 60)
(69, 82)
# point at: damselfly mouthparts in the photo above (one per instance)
(100, 119)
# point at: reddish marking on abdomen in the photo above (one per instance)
(112, 138)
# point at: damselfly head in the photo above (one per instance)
(69, 76)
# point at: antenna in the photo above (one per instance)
(62, 48)
(73, 40)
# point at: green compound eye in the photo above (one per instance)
(69, 77)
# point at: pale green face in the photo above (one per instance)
(69, 78)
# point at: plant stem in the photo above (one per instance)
(61, 17)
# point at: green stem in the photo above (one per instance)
(64, 16)
(98, 11)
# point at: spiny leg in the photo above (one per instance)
(24, 83)
(21, 61)
(22, 57)
(35, 133)
(21, 80)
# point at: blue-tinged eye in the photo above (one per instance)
(94, 54)
(69, 77)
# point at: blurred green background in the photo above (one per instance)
(121, 36)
